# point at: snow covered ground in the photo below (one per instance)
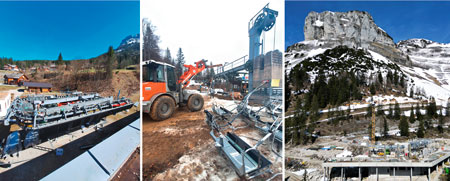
(430, 82)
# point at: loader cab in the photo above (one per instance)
(158, 77)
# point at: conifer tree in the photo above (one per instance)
(373, 90)
(369, 111)
(412, 118)
(418, 113)
(391, 112)
(402, 81)
(179, 63)
(432, 109)
(397, 111)
(111, 58)
(380, 77)
(411, 92)
(380, 111)
(385, 127)
(421, 131)
(447, 110)
(369, 129)
(167, 57)
(441, 122)
(150, 48)
(60, 60)
(404, 127)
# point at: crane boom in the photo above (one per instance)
(192, 71)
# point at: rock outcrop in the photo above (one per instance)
(355, 29)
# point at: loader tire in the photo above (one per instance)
(162, 108)
(195, 102)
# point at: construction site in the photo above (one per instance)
(228, 127)
(38, 128)
(350, 151)
(52, 132)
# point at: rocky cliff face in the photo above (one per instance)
(355, 29)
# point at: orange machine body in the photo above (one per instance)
(152, 88)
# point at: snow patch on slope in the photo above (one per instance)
(318, 23)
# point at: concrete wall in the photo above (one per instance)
(267, 67)
(4, 105)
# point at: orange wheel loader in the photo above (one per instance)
(162, 92)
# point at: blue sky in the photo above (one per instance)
(401, 20)
(79, 30)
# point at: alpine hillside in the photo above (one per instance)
(347, 65)
(423, 62)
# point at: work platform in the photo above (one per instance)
(232, 67)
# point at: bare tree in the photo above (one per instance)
(151, 50)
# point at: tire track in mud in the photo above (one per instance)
(164, 142)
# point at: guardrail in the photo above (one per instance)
(237, 64)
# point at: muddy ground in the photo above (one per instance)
(180, 148)
(164, 142)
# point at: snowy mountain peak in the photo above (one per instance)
(415, 42)
(131, 41)
(425, 51)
